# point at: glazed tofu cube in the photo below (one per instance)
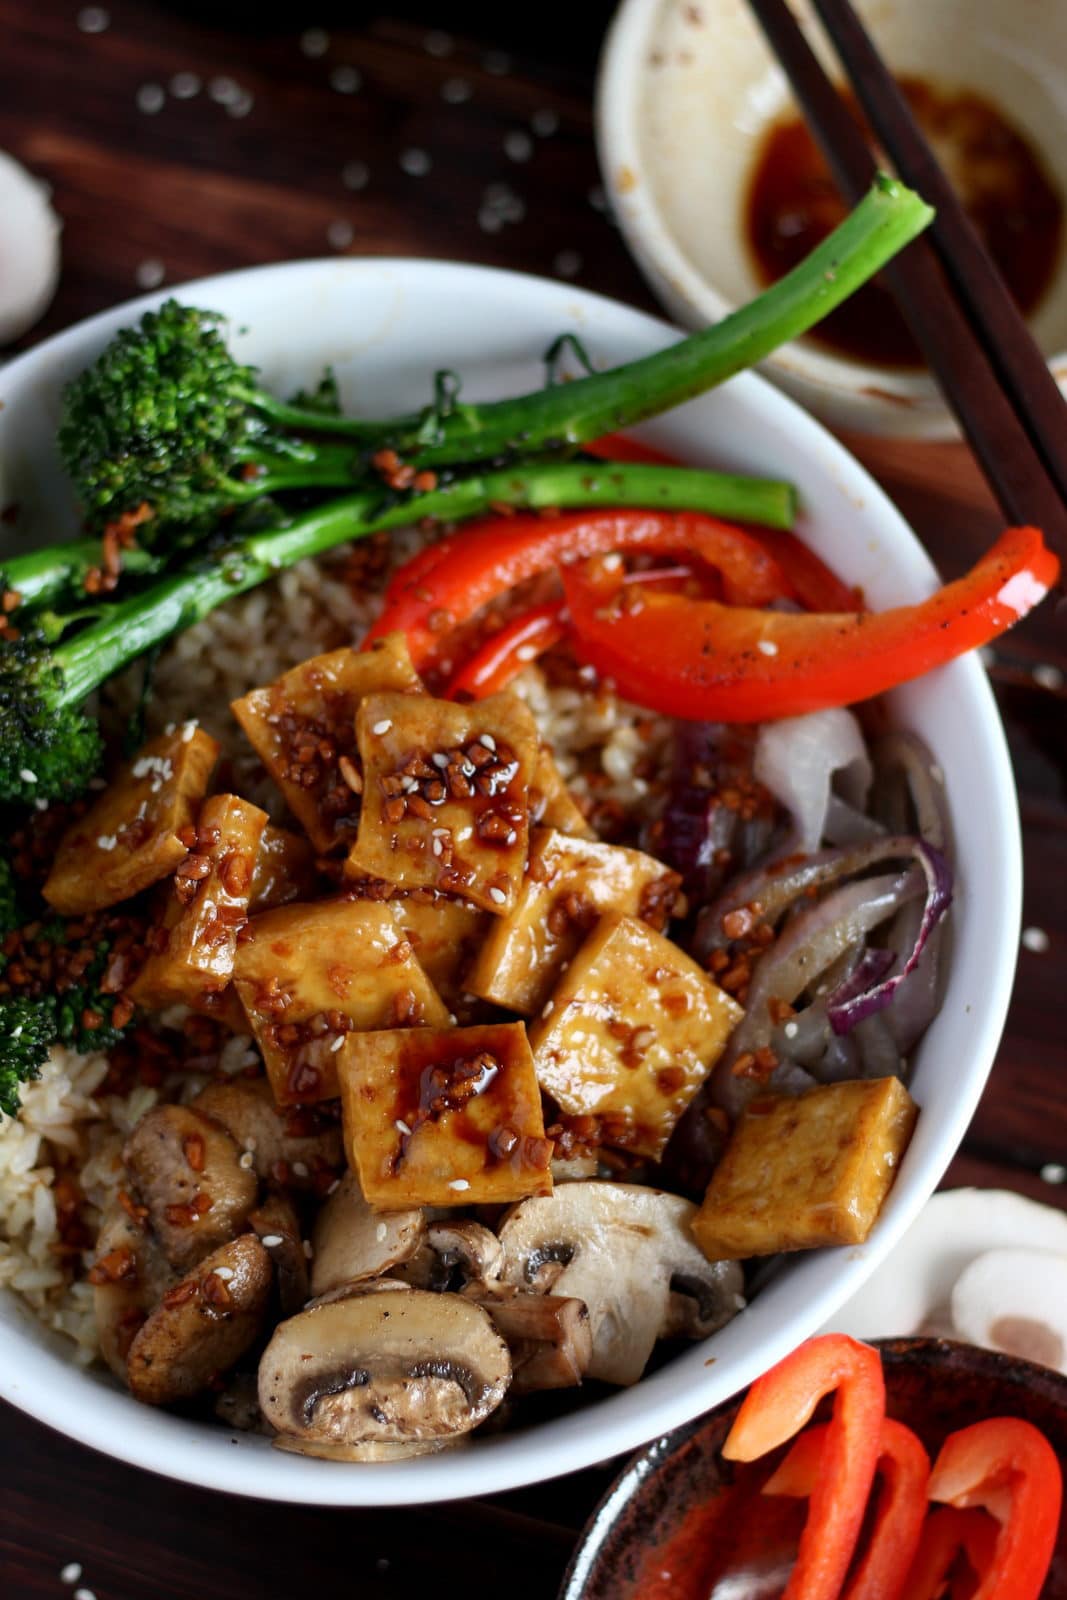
(192, 946)
(303, 730)
(284, 870)
(443, 1117)
(445, 801)
(630, 1033)
(569, 884)
(445, 934)
(308, 974)
(551, 802)
(132, 835)
(806, 1170)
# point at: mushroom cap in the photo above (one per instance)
(141, 1276)
(1015, 1301)
(549, 1336)
(202, 1326)
(178, 1162)
(622, 1248)
(275, 1223)
(29, 249)
(351, 1243)
(383, 1369)
(455, 1247)
(246, 1109)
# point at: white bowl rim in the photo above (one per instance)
(63, 1396)
(850, 393)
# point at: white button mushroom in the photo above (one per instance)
(1015, 1301)
(29, 249)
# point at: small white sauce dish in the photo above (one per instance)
(687, 90)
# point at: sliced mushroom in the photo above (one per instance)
(453, 1255)
(130, 1275)
(351, 1243)
(277, 1227)
(292, 1144)
(619, 1247)
(187, 1171)
(382, 1369)
(369, 1450)
(549, 1336)
(202, 1326)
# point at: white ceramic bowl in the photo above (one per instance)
(686, 90)
(385, 326)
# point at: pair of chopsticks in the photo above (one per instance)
(952, 296)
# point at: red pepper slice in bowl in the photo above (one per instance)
(705, 661)
(946, 1535)
(778, 1405)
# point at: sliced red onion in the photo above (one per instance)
(699, 837)
(797, 758)
(869, 989)
(903, 752)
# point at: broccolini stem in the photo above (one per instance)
(130, 627)
(567, 415)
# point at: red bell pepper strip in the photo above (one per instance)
(1006, 1466)
(946, 1534)
(621, 447)
(813, 583)
(778, 1405)
(454, 578)
(711, 662)
(904, 1470)
(504, 654)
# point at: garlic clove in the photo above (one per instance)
(29, 249)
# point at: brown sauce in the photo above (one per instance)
(792, 204)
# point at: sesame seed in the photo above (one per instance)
(545, 122)
(355, 175)
(401, 1127)
(245, 1160)
(337, 1043)
(27, 776)
(498, 897)
(334, 1186)
(459, 1184)
(223, 89)
(439, 759)
(339, 234)
(314, 42)
(1054, 1172)
(568, 264)
(415, 162)
(438, 43)
(488, 741)
(224, 1273)
(612, 562)
(188, 729)
(548, 1008)
(150, 98)
(40, 805)
(150, 273)
(496, 63)
(437, 847)
(526, 652)
(1035, 940)
(767, 647)
(383, 726)
(185, 85)
(455, 91)
(93, 19)
(271, 1239)
(300, 1169)
(346, 80)
(1048, 677)
(84, 1594)
(791, 1030)
(240, 105)
(380, 1232)
(518, 146)
(106, 841)
(73, 1569)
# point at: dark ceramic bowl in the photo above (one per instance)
(678, 1496)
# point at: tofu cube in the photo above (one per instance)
(443, 1117)
(569, 884)
(130, 837)
(630, 1033)
(551, 803)
(191, 948)
(303, 730)
(806, 1170)
(445, 934)
(284, 870)
(309, 974)
(446, 795)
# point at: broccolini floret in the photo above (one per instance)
(27, 1033)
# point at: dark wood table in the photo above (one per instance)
(186, 141)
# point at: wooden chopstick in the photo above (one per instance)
(953, 342)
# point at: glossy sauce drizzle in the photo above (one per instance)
(792, 204)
